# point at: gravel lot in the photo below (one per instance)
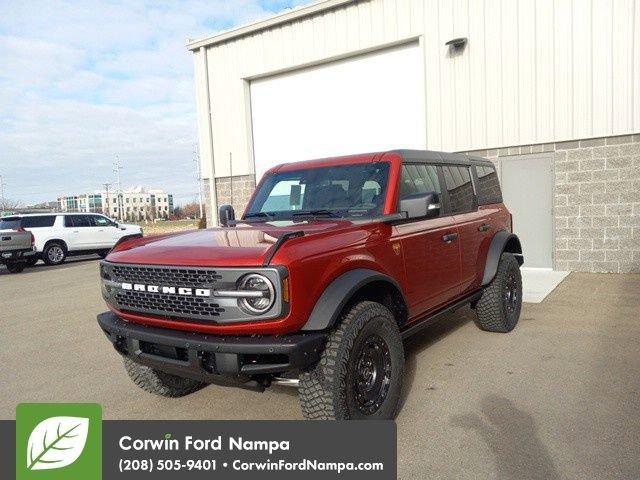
(557, 398)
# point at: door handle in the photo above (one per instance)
(484, 227)
(450, 237)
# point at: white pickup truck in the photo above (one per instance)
(16, 249)
(58, 235)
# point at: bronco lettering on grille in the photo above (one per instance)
(139, 287)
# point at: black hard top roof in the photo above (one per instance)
(430, 156)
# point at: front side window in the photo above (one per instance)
(418, 180)
(462, 197)
(100, 221)
(356, 190)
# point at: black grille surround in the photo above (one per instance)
(126, 288)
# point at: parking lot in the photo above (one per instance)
(557, 398)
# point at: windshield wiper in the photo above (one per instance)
(267, 215)
(315, 213)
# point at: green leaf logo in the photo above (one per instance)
(56, 442)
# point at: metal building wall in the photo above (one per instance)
(534, 71)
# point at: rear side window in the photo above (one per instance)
(418, 179)
(9, 223)
(462, 197)
(488, 185)
(39, 221)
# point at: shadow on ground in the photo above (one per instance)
(512, 436)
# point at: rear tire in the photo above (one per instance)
(54, 253)
(32, 261)
(359, 375)
(160, 383)
(15, 267)
(498, 309)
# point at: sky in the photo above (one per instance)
(82, 82)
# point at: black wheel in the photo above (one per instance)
(15, 267)
(160, 383)
(54, 253)
(103, 253)
(359, 375)
(32, 261)
(498, 309)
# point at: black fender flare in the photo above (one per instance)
(498, 244)
(339, 292)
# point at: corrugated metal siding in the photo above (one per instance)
(533, 71)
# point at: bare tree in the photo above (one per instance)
(8, 205)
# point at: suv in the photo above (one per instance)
(332, 265)
(58, 235)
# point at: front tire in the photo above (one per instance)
(15, 267)
(359, 375)
(160, 383)
(498, 309)
(54, 253)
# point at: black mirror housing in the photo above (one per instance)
(421, 205)
(226, 215)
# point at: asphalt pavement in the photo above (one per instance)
(559, 397)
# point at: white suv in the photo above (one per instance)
(60, 234)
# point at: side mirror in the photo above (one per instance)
(421, 205)
(226, 214)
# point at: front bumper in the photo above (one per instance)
(212, 358)
(17, 255)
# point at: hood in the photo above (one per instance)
(243, 245)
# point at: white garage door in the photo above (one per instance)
(362, 104)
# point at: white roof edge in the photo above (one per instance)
(278, 19)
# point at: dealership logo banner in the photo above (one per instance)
(70, 441)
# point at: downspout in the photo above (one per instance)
(213, 201)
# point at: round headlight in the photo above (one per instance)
(259, 304)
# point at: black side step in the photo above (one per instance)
(430, 319)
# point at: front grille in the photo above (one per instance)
(182, 277)
(156, 290)
(177, 305)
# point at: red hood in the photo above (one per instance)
(243, 245)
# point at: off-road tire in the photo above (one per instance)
(48, 247)
(15, 267)
(328, 391)
(160, 383)
(494, 311)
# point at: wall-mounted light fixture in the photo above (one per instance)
(457, 44)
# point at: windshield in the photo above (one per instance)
(9, 223)
(341, 191)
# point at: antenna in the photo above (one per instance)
(231, 177)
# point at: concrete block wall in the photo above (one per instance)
(243, 186)
(596, 201)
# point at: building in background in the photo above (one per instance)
(134, 204)
(547, 90)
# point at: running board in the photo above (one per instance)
(432, 318)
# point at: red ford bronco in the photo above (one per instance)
(332, 265)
